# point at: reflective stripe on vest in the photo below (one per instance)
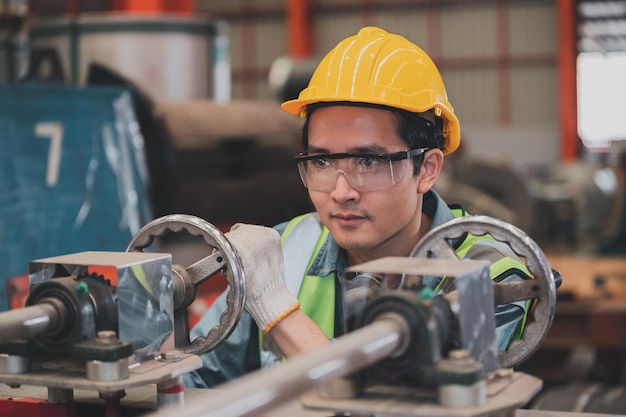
(316, 294)
(302, 240)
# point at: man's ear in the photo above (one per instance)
(429, 172)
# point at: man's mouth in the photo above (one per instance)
(348, 219)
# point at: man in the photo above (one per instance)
(377, 126)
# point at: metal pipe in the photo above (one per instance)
(258, 391)
(27, 322)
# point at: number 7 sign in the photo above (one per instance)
(54, 131)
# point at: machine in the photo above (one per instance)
(411, 352)
(90, 318)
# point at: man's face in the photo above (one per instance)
(374, 223)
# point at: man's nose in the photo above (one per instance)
(343, 190)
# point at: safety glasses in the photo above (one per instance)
(363, 171)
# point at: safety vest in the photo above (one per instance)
(302, 240)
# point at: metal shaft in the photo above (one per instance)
(24, 323)
(258, 391)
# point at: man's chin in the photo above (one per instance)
(352, 242)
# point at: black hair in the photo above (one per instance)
(415, 130)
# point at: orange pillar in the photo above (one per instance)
(299, 28)
(71, 7)
(180, 6)
(152, 6)
(568, 120)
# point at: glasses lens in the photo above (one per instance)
(369, 174)
(362, 173)
(318, 174)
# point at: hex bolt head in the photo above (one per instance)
(106, 336)
(459, 354)
(144, 354)
(170, 356)
(504, 373)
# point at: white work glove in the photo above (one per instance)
(268, 300)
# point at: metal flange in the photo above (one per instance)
(186, 280)
(541, 288)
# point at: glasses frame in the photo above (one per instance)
(389, 157)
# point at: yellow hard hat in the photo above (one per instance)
(378, 67)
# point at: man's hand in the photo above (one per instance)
(268, 300)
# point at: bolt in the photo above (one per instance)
(143, 354)
(170, 356)
(504, 373)
(106, 336)
(459, 354)
(113, 395)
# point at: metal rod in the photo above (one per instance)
(260, 390)
(24, 323)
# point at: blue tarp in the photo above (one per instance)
(73, 175)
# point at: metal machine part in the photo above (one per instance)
(73, 297)
(33, 320)
(439, 324)
(255, 392)
(82, 305)
(422, 359)
(358, 291)
(541, 289)
(66, 338)
(109, 379)
(60, 313)
(81, 330)
(406, 331)
(186, 280)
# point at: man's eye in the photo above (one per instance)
(321, 163)
(368, 162)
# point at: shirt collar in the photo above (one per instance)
(435, 208)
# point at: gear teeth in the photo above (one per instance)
(98, 277)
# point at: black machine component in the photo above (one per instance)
(85, 306)
(433, 335)
(62, 312)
